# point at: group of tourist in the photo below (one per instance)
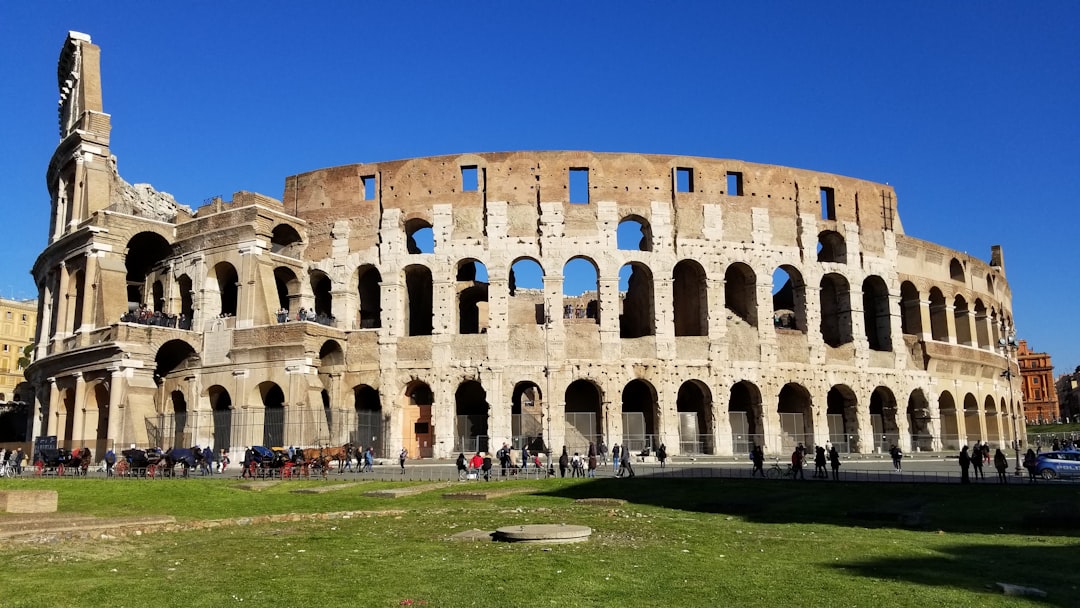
(304, 315)
(365, 459)
(974, 459)
(13, 459)
(144, 316)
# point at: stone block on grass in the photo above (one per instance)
(28, 501)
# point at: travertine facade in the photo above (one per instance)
(758, 304)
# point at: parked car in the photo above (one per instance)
(1062, 463)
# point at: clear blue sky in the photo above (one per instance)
(968, 109)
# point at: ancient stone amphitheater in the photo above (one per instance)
(454, 303)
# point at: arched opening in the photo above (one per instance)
(745, 415)
(97, 418)
(690, 299)
(950, 429)
(876, 318)
(420, 238)
(994, 434)
(831, 247)
(67, 412)
(331, 355)
(159, 296)
(526, 283)
(990, 284)
(982, 329)
(788, 299)
(640, 416)
(972, 423)
(584, 410)
(328, 412)
(145, 252)
(180, 437)
(369, 284)
(910, 310)
(223, 277)
(273, 400)
(471, 408)
(285, 240)
(221, 410)
(322, 288)
(527, 417)
(956, 271)
(842, 416)
(187, 309)
(369, 428)
(694, 406)
(78, 279)
(416, 415)
(288, 292)
(637, 318)
(472, 297)
(939, 322)
(796, 411)
(919, 417)
(172, 356)
(581, 289)
(418, 289)
(634, 234)
(835, 310)
(883, 419)
(962, 321)
(740, 293)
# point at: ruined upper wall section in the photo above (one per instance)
(78, 76)
(633, 181)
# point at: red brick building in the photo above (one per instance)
(1040, 394)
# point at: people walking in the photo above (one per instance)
(965, 464)
(575, 466)
(626, 466)
(834, 462)
(977, 464)
(601, 453)
(524, 457)
(757, 457)
(819, 463)
(485, 466)
(592, 459)
(223, 460)
(897, 456)
(615, 453)
(1001, 463)
(1031, 462)
(369, 459)
(402, 456)
(661, 455)
(564, 462)
(797, 463)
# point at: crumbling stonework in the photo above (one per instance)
(425, 304)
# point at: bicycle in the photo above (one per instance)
(7, 470)
(778, 472)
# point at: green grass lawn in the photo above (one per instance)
(673, 543)
(1050, 429)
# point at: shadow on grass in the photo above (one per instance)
(979, 567)
(1043, 509)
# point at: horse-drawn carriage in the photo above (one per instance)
(140, 463)
(185, 458)
(59, 461)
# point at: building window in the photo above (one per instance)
(734, 183)
(579, 186)
(469, 181)
(24, 318)
(1035, 380)
(684, 179)
(367, 187)
(828, 204)
(9, 315)
(5, 348)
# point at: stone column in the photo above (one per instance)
(52, 421)
(63, 324)
(77, 431)
(117, 411)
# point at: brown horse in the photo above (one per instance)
(322, 457)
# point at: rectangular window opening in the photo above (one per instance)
(367, 184)
(469, 179)
(828, 204)
(684, 179)
(734, 183)
(579, 186)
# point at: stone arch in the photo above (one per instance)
(581, 289)
(419, 235)
(369, 286)
(835, 310)
(842, 416)
(369, 419)
(956, 271)
(221, 409)
(950, 429)
(693, 404)
(187, 305)
(746, 416)
(634, 234)
(740, 293)
(789, 298)
(67, 415)
(471, 410)
(322, 288)
(145, 252)
(990, 283)
(584, 413)
(972, 418)
(795, 407)
(638, 316)
(78, 294)
(178, 407)
(96, 425)
(877, 319)
(831, 247)
(285, 240)
(171, 356)
(419, 300)
(910, 309)
(961, 320)
(417, 418)
(288, 292)
(331, 355)
(939, 324)
(528, 274)
(472, 296)
(224, 281)
(883, 419)
(690, 299)
(526, 416)
(994, 433)
(982, 330)
(919, 421)
(640, 415)
(273, 401)
(158, 297)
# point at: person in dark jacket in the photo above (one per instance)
(819, 463)
(834, 462)
(564, 462)
(486, 466)
(965, 464)
(1001, 463)
(661, 455)
(757, 456)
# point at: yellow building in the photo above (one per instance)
(17, 327)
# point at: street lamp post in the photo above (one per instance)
(1008, 346)
(547, 388)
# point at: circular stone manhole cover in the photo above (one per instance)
(544, 533)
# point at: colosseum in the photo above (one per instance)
(451, 303)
